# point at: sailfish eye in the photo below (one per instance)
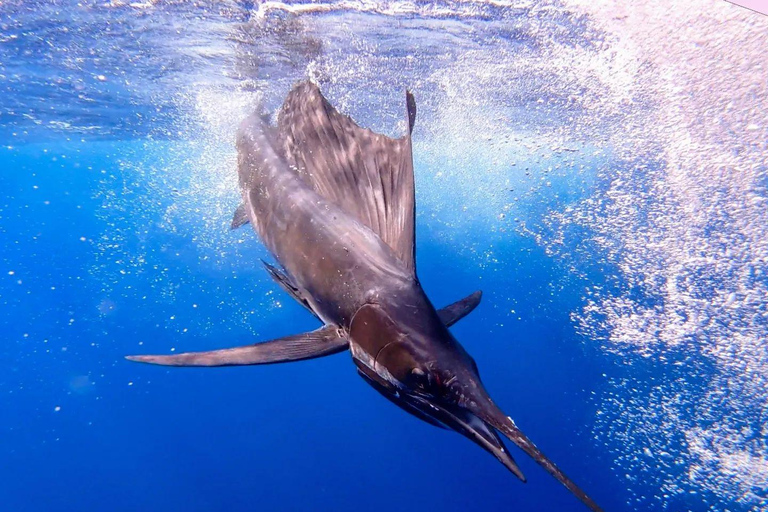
(420, 378)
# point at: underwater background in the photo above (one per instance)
(600, 171)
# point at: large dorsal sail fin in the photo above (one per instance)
(368, 175)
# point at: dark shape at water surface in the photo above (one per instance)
(334, 203)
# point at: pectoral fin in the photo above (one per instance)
(309, 345)
(454, 312)
(450, 314)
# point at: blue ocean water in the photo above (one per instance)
(572, 160)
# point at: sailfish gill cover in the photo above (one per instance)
(598, 170)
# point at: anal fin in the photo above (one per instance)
(454, 312)
(309, 345)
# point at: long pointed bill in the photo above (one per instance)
(491, 414)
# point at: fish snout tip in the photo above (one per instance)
(519, 474)
(506, 459)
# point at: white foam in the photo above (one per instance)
(687, 235)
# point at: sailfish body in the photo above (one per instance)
(335, 204)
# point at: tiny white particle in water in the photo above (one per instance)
(57, 408)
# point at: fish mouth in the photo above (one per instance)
(470, 426)
(444, 415)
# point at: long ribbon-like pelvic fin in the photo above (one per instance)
(286, 284)
(309, 345)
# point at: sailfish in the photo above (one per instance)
(334, 203)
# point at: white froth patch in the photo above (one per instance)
(681, 218)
